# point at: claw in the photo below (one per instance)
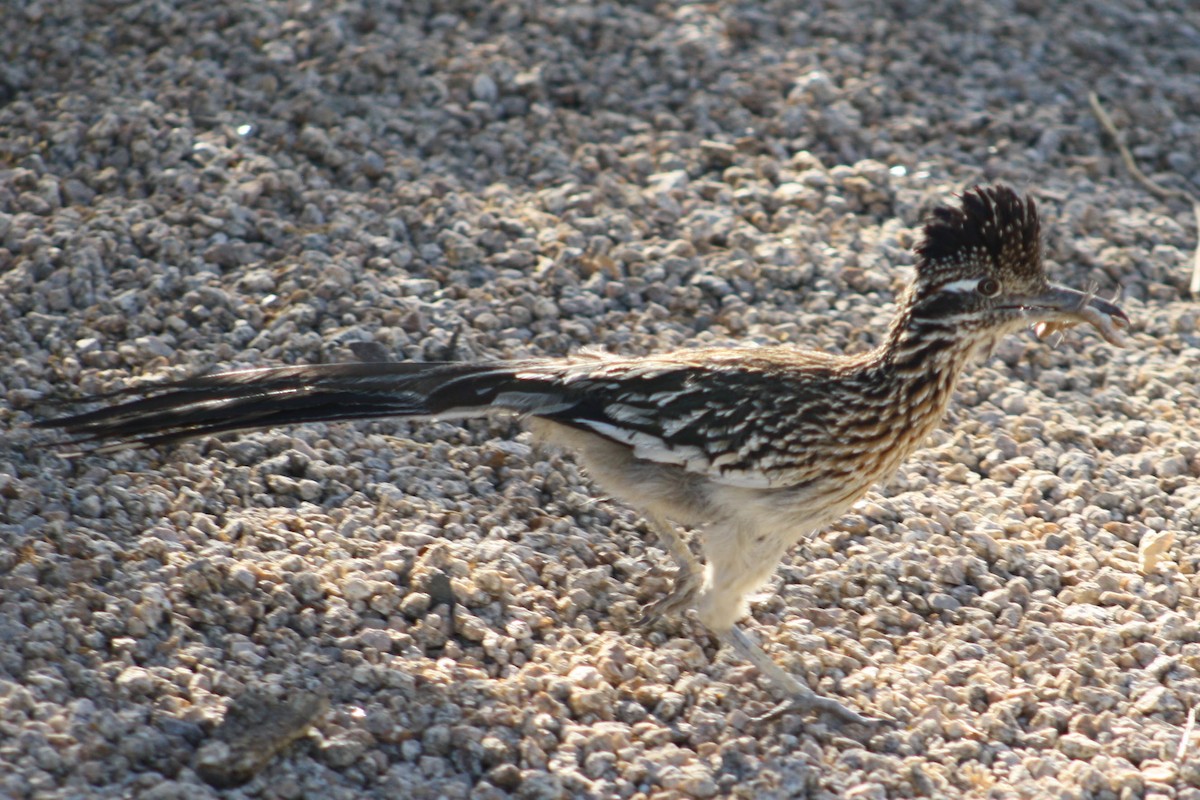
(826, 706)
(680, 599)
(801, 698)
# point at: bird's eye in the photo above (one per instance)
(988, 287)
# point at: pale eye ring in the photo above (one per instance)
(988, 287)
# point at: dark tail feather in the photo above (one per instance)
(274, 396)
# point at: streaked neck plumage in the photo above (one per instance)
(906, 384)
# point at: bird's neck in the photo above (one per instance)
(920, 348)
(918, 365)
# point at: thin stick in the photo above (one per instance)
(1195, 285)
(1186, 739)
(1157, 190)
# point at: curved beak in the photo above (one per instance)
(1058, 308)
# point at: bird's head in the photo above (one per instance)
(979, 273)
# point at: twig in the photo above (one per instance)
(1186, 739)
(1157, 190)
(1195, 285)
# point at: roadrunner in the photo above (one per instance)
(752, 448)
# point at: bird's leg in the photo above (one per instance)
(740, 558)
(687, 576)
(800, 697)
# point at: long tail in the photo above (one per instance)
(274, 396)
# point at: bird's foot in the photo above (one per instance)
(800, 697)
(687, 577)
(680, 599)
(811, 703)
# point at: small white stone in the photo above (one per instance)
(356, 589)
(484, 89)
(1153, 548)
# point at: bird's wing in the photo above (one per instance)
(740, 419)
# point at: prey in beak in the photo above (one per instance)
(1060, 308)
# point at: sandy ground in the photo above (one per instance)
(191, 184)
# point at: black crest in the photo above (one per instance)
(994, 230)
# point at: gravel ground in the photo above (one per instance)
(441, 611)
